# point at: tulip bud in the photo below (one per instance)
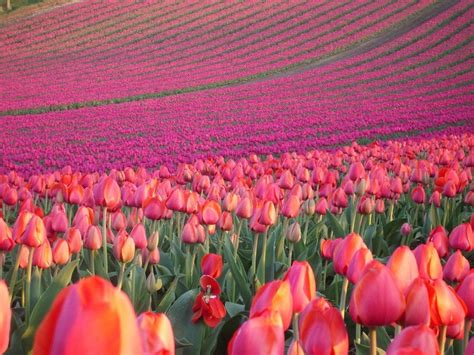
(418, 195)
(123, 247)
(244, 208)
(43, 256)
(404, 267)
(93, 239)
(456, 268)
(405, 230)
(61, 253)
(293, 233)
(156, 333)
(138, 234)
(153, 241)
(322, 206)
(6, 240)
(152, 285)
(309, 207)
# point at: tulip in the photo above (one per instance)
(358, 263)
(20, 225)
(93, 238)
(262, 335)
(5, 317)
(74, 240)
(156, 334)
(138, 234)
(435, 199)
(328, 246)
(429, 264)
(447, 308)
(154, 208)
(462, 237)
(89, 317)
(340, 198)
(211, 264)
(176, 201)
(123, 247)
(268, 215)
(465, 290)
(417, 339)
(43, 256)
(291, 207)
(323, 330)
(244, 208)
(59, 222)
(6, 240)
(322, 206)
(274, 296)
(208, 304)
(418, 195)
(406, 229)
(418, 300)
(107, 194)
(456, 268)
(404, 267)
(302, 284)
(345, 251)
(211, 212)
(367, 307)
(225, 222)
(61, 252)
(35, 233)
(119, 221)
(439, 238)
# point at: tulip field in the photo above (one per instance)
(207, 177)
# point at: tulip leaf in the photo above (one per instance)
(383, 339)
(180, 315)
(362, 349)
(335, 225)
(35, 287)
(60, 281)
(16, 344)
(169, 297)
(234, 308)
(237, 271)
(391, 231)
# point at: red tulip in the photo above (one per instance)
(302, 284)
(176, 201)
(274, 296)
(89, 317)
(225, 222)
(138, 234)
(107, 194)
(268, 215)
(417, 339)
(435, 199)
(418, 300)
(345, 251)
(156, 334)
(244, 208)
(456, 331)
(322, 206)
(154, 208)
(366, 205)
(322, 329)
(74, 240)
(208, 304)
(6, 240)
(404, 267)
(358, 263)
(211, 264)
(465, 290)
(429, 264)
(328, 246)
(262, 335)
(462, 237)
(35, 233)
(439, 238)
(20, 225)
(456, 268)
(5, 317)
(418, 195)
(119, 221)
(59, 222)
(339, 198)
(367, 307)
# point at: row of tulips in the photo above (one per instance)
(248, 255)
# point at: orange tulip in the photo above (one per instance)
(20, 225)
(5, 317)
(123, 247)
(291, 207)
(61, 252)
(367, 307)
(268, 214)
(328, 246)
(43, 256)
(418, 299)
(262, 335)
(274, 296)
(35, 233)
(403, 264)
(156, 334)
(417, 339)
(447, 308)
(427, 259)
(89, 317)
(74, 240)
(211, 212)
(6, 240)
(211, 264)
(302, 284)
(322, 329)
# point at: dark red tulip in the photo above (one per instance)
(211, 264)
(208, 304)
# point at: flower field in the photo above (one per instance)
(206, 177)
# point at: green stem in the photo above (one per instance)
(296, 333)
(254, 257)
(264, 254)
(442, 339)
(14, 273)
(121, 274)
(465, 340)
(373, 341)
(305, 232)
(104, 240)
(237, 239)
(390, 211)
(357, 336)
(290, 253)
(28, 286)
(93, 262)
(342, 303)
